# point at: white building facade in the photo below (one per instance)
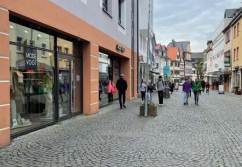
(143, 39)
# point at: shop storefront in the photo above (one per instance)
(45, 77)
(236, 76)
(109, 69)
(50, 62)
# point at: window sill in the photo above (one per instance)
(121, 26)
(107, 13)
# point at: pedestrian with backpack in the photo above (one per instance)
(160, 89)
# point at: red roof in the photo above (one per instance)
(172, 53)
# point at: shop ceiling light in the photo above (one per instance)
(39, 35)
(26, 32)
(11, 26)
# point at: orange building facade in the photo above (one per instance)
(55, 65)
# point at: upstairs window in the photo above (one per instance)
(177, 57)
(19, 42)
(234, 31)
(105, 5)
(237, 29)
(237, 54)
(234, 54)
(59, 49)
(227, 37)
(66, 50)
(121, 13)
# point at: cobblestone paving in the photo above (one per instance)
(208, 135)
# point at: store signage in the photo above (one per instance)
(227, 61)
(31, 59)
(166, 70)
(120, 48)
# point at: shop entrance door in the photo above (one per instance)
(69, 73)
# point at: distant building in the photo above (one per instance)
(163, 60)
(144, 58)
(196, 56)
(236, 50)
(174, 55)
(185, 49)
(208, 61)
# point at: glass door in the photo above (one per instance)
(76, 86)
(64, 74)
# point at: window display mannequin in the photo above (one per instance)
(16, 95)
(47, 84)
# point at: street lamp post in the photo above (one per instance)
(147, 70)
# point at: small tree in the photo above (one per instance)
(199, 68)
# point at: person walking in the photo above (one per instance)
(203, 84)
(190, 81)
(160, 89)
(142, 89)
(111, 89)
(207, 87)
(172, 86)
(196, 86)
(150, 91)
(122, 87)
(186, 89)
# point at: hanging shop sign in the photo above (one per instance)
(227, 61)
(30, 59)
(120, 48)
(166, 70)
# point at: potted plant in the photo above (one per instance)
(236, 90)
(152, 110)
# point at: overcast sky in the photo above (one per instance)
(190, 20)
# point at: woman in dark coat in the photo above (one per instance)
(172, 86)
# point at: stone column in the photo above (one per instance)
(90, 78)
(4, 79)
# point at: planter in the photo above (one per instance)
(152, 110)
(166, 93)
(236, 90)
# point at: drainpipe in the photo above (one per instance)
(138, 77)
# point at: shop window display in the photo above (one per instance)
(104, 68)
(32, 78)
(109, 69)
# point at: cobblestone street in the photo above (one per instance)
(181, 136)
